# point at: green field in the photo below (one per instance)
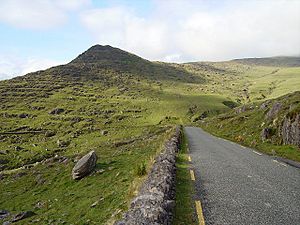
(124, 108)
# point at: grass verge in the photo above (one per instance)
(184, 210)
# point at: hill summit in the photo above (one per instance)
(98, 53)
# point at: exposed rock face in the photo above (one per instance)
(156, 200)
(266, 133)
(291, 130)
(22, 215)
(274, 110)
(84, 166)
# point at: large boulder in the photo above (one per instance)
(84, 166)
(291, 130)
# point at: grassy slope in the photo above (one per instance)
(137, 103)
(128, 106)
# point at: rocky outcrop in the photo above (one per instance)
(291, 130)
(156, 199)
(84, 166)
(273, 112)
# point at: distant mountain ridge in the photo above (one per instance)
(284, 61)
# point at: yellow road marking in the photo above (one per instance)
(190, 159)
(192, 175)
(200, 213)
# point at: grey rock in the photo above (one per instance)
(3, 152)
(273, 112)
(22, 215)
(95, 204)
(3, 214)
(62, 144)
(39, 179)
(20, 174)
(49, 133)
(241, 109)
(266, 133)
(56, 111)
(40, 205)
(291, 130)
(104, 132)
(3, 161)
(23, 115)
(18, 148)
(265, 105)
(84, 166)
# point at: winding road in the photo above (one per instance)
(237, 185)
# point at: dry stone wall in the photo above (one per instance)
(155, 202)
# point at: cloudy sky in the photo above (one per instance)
(37, 34)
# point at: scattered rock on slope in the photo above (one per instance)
(84, 166)
(265, 105)
(3, 214)
(56, 111)
(22, 215)
(240, 109)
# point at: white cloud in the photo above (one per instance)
(201, 30)
(38, 14)
(119, 27)
(11, 66)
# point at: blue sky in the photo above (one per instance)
(37, 34)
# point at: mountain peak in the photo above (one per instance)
(100, 53)
(100, 48)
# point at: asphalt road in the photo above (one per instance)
(237, 185)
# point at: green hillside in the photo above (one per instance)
(262, 125)
(279, 61)
(123, 107)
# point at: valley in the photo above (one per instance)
(124, 108)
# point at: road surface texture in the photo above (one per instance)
(237, 185)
